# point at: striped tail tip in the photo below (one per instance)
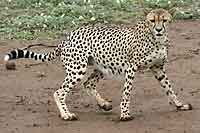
(6, 57)
(15, 54)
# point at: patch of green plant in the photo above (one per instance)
(30, 19)
(186, 9)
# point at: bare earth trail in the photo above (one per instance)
(27, 105)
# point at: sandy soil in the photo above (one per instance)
(26, 101)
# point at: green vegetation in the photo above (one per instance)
(30, 19)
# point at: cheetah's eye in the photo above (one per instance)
(152, 20)
(164, 20)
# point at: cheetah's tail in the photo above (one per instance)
(19, 53)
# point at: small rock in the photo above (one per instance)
(34, 111)
(140, 111)
(109, 100)
(188, 37)
(86, 105)
(41, 74)
(76, 107)
(184, 34)
(195, 51)
(35, 125)
(27, 66)
(20, 100)
(10, 66)
(48, 102)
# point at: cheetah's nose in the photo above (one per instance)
(158, 29)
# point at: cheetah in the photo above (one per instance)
(115, 51)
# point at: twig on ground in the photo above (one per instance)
(38, 44)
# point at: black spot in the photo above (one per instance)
(164, 86)
(40, 56)
(73, 73)
(130, 77)
(73, 83)
(78, 67)
(35, 57)
(161, 77)
(45, 57)
(124, 111)
(14, 54)
(83, 65)
(32, 55)
(27, 54)
(20, 53)
(134, 70)
(168, 92)
(81, 73)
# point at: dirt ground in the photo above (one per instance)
(27, 105)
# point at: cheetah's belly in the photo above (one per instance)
(114, 72)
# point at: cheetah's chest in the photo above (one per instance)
(156, 57)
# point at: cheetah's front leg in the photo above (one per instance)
(160, 75)
(125, 103)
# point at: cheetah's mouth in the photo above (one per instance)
(159, 34)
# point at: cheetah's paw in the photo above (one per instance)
(126, 118)
(184, 107)
(106, 106)
(69, 117)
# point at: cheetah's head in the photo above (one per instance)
(158, 21)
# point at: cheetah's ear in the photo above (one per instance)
(172, 11)
(146, 11)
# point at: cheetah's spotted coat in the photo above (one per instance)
(115, 51)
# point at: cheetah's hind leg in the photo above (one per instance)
(73, 75)
(90, 86)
